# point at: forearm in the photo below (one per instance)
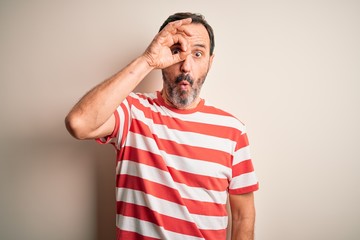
(243, 229)
(242, 216)
(98, 105)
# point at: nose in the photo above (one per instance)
(186, 64)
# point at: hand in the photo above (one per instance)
(159, 53)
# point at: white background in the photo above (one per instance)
(289, 69)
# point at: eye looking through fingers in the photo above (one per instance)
(175, 50)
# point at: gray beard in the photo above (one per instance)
(182, 98)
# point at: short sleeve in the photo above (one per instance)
(122, 125)
(108, 139)
(244, 179)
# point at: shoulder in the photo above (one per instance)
(147, 98)
(223, 117)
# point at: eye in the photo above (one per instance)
(175, 51)
(198, 54)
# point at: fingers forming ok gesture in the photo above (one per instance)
(160, 53)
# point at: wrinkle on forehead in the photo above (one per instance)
(199, 37)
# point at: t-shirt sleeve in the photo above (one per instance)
(122, 124)
(244, 179)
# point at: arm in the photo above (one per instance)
(92, 116)
(243, 216)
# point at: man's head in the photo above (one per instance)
(183, 80)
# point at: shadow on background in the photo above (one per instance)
(105, 191)
(105, 172)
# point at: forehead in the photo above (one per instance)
(199, 34)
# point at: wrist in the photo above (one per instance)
(148, 60)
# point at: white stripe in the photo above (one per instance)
(211, 222)
(145, 172)
(177, 211)
(190, 165)
(244, 180)
(143, 143)
(208, 118)
(196, 166)
(164, 178)
(182, 137)
(201, 194)
(241, 155)
(149, 229)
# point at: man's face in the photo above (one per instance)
(183, 81)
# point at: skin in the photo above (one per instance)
(243, 216)
(182, 51)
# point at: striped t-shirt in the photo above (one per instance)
(175, 169)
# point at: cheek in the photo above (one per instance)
(166, 75)
(203, 66)
(169, 71)
(172, 68)
(202, 73)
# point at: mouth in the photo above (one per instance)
(184, 85)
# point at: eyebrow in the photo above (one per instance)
(200, 45)
(196, 45)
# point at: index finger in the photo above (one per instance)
(177, 26)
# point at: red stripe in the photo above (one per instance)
(144, 157)
(243, 167)
(242, 142)
(243, 190)
(140, 127)
(196, 180)
(216, 111)
(168, 223)
(149, 187)
(200, 153)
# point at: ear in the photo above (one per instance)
(211, 60)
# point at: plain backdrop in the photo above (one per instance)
(289, 69)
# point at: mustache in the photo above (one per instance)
(184, 77)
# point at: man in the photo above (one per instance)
(178, 158)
